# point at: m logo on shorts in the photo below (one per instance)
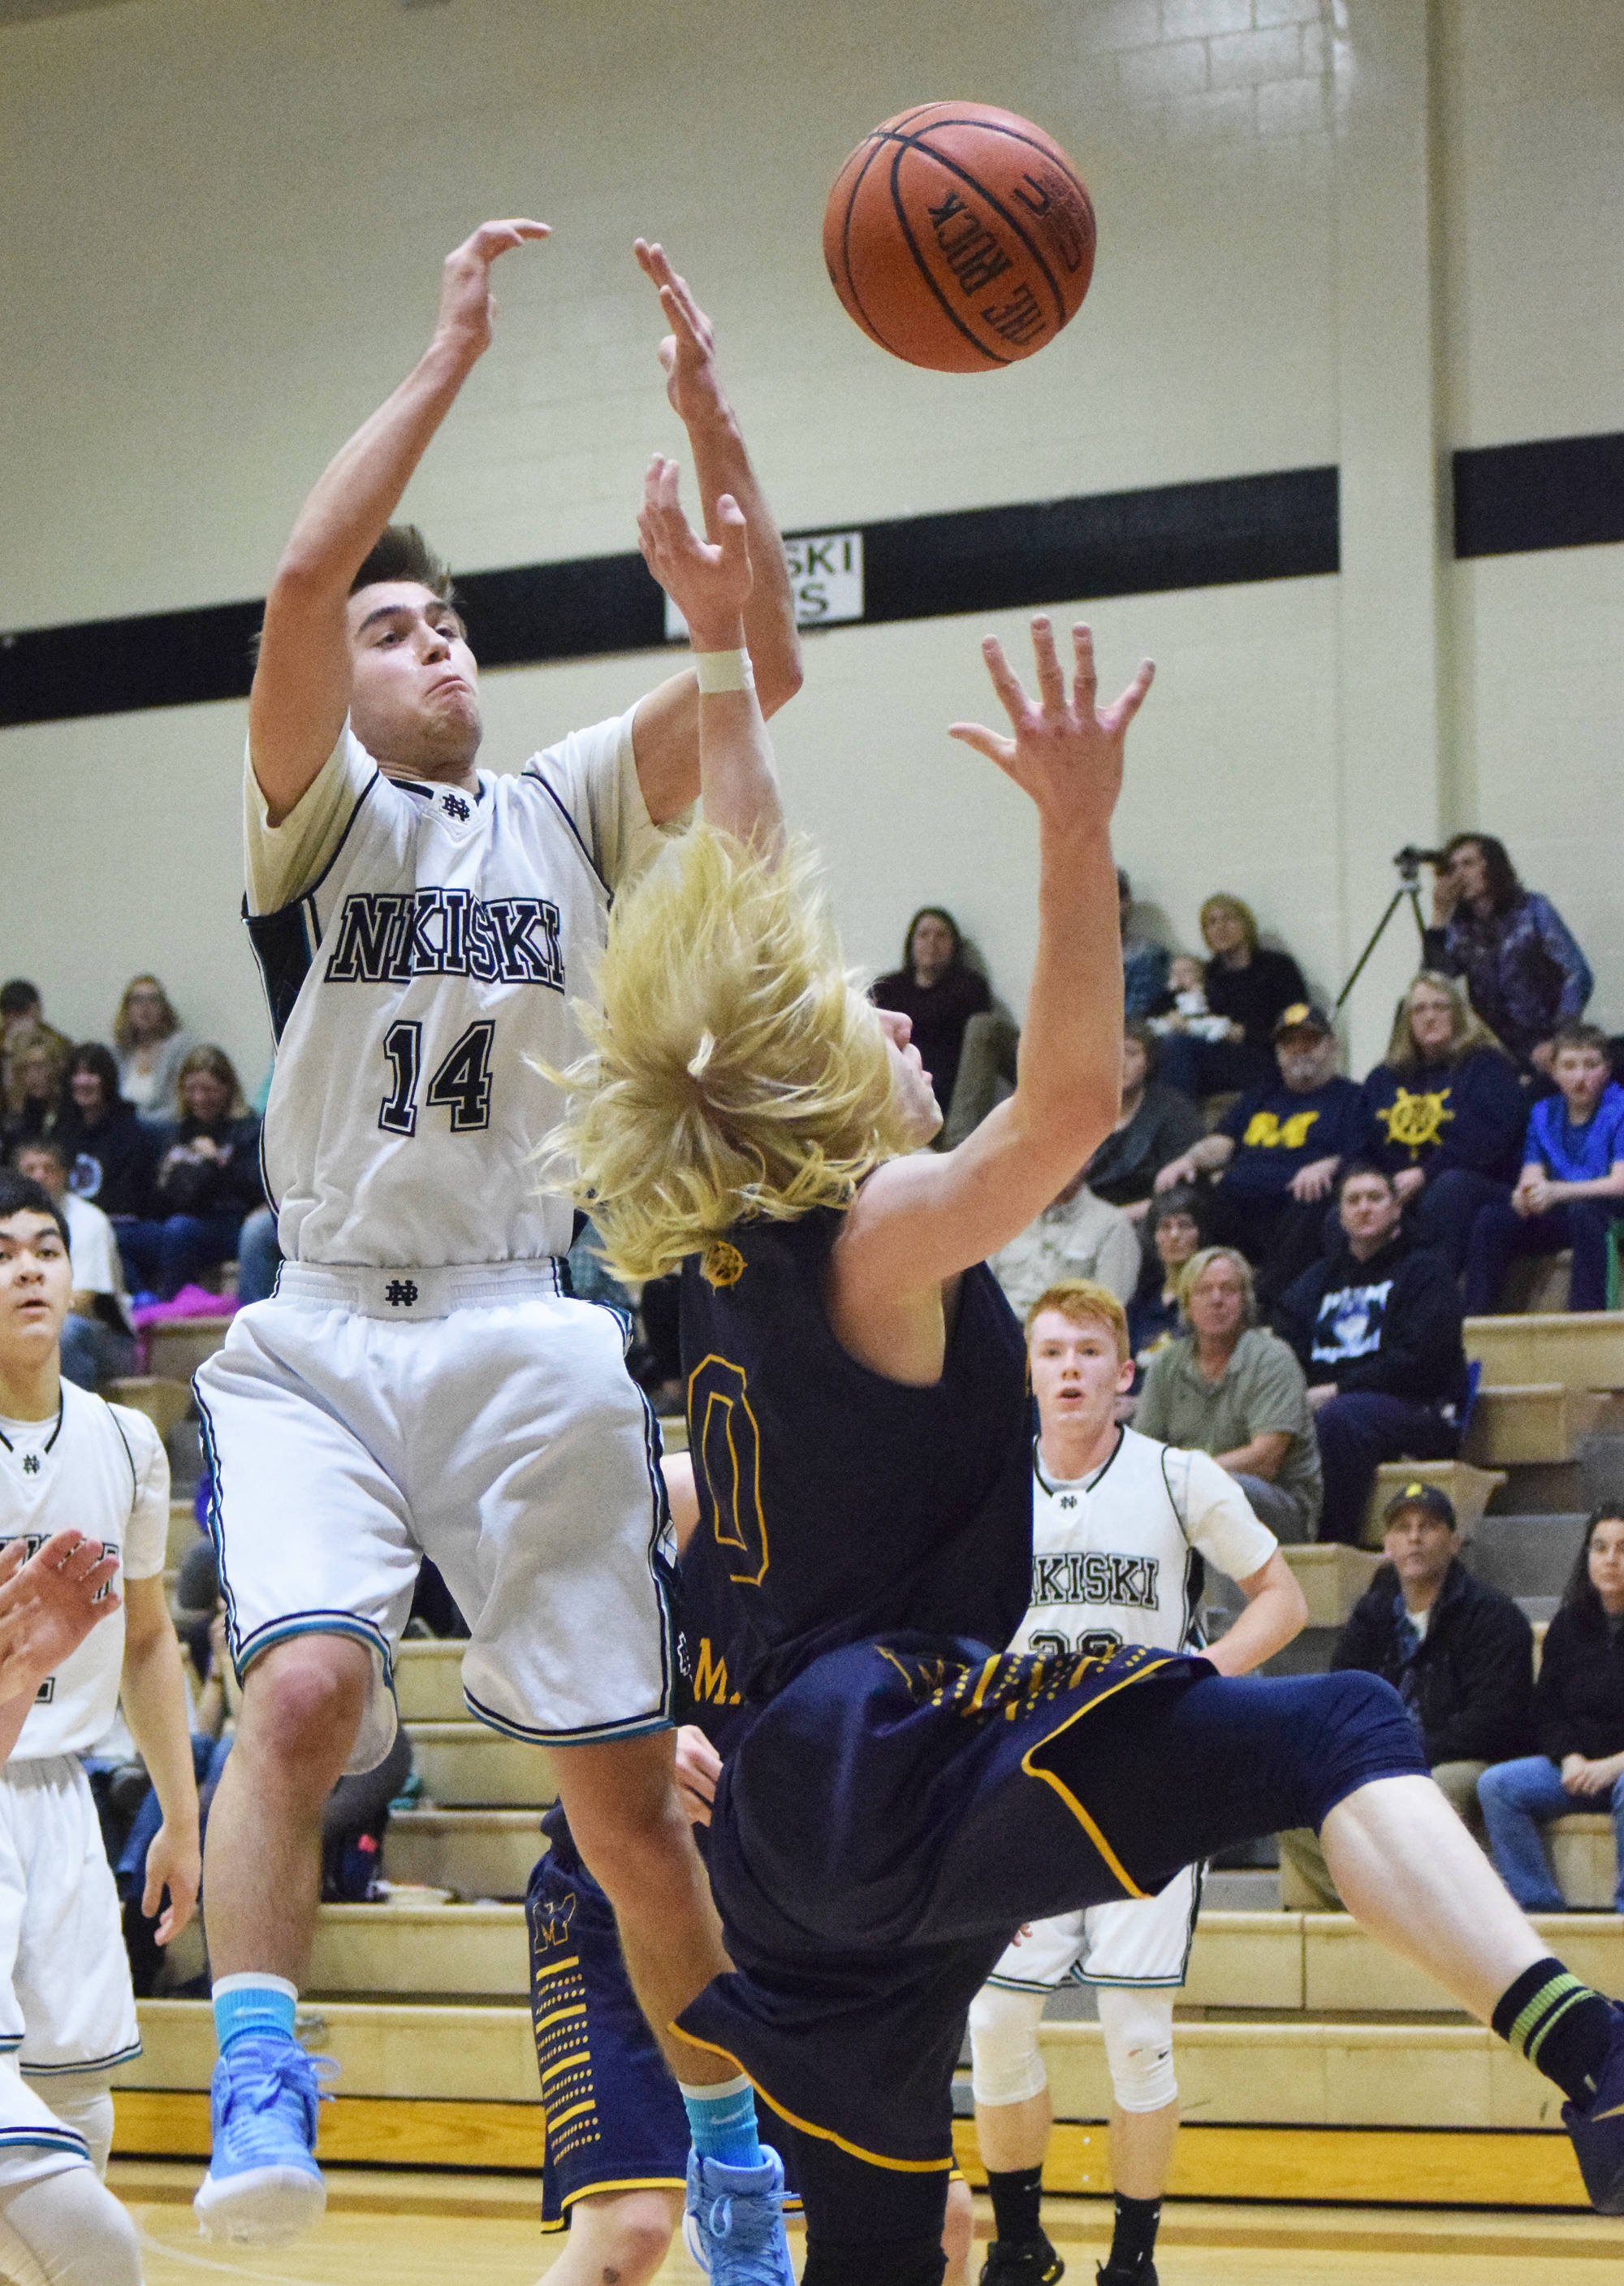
(400, 1293)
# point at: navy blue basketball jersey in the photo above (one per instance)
(836, 1506)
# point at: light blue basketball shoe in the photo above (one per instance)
(733, 2222)
(263, 2188)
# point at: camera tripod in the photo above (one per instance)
(1409, 864)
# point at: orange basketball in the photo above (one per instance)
(959, 237)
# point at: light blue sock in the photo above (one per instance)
(252, 2004)
(722, 2121)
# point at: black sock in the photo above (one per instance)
(873, 2262)
(1133, 2241)
(1017, 2202)
(1562, 2027)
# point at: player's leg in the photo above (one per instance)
(64, 2228)
(1137, 1955)
(316, 1563)
(621, 2235)
(869, 2225)
(1014, 2117)
(957, 2233)
(1231, 1757)
(58, 2225)
(543, 1514)
(1138, 2024)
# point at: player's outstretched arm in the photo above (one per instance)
(155, 1701)
(921, 1219)
(667, 729)
(711, 584)
(301, 691)
(48, 1605)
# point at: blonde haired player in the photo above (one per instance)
(1122, 1529)
(857, 1410)
(68, 2014)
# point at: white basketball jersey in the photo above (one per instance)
(100, 1469)
(415, 983)
(1113, 1554)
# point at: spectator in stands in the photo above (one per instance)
(1451, 1112)
(1376, 1326)
(938, 991)
(1579, 1722)
(1173, 1228)
(1524, 970)
(112, 1158)
(1078, 1235)
(1144, 962)
(1572, 1184)
(36, 1072)
(208, 1180)
(1276, 1153)
(22, 1026)
(1247, 984)
(98, 1340)
(151, 1044)
(1459, 1654)
(1183, 1006)
(1229, 1387)
(1156, 1124)
(259, 1257)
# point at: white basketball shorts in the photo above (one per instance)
(359, 1420)
(1130, 1941)
(65, 2005)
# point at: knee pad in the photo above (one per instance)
(68, 2230)
(1138, 2024)
(1006, 2065)
(88, 2109)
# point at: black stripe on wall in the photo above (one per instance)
(1278, 526)
(1567, 492)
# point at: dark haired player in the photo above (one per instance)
(905, 1795)
(420, 1380)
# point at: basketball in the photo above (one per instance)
(959, 237)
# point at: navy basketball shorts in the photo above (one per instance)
(894, 1816)
(614, 2119)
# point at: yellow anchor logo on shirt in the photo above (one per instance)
(1417, 1120)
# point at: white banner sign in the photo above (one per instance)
(826, 574)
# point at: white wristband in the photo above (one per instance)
(723, 670)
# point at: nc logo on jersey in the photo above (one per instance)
(386, 937)
(453, 806)
(30, 1464)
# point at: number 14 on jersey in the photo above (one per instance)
(461, 1084)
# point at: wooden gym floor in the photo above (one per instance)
(425, 2230)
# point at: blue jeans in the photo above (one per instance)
(1357, 1433)
(1500, 1234)
(1449, 1207)
(258, 1255)
(161, 1257)
(1518, 1798)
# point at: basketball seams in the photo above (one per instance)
(869, 156)
(904, 144)
(855, 229)
(957, 167)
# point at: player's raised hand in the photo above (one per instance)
(687, 352)
(1064, 752)
(173, 1863)
(467, 305)
(49, 1604)
(708, 583)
